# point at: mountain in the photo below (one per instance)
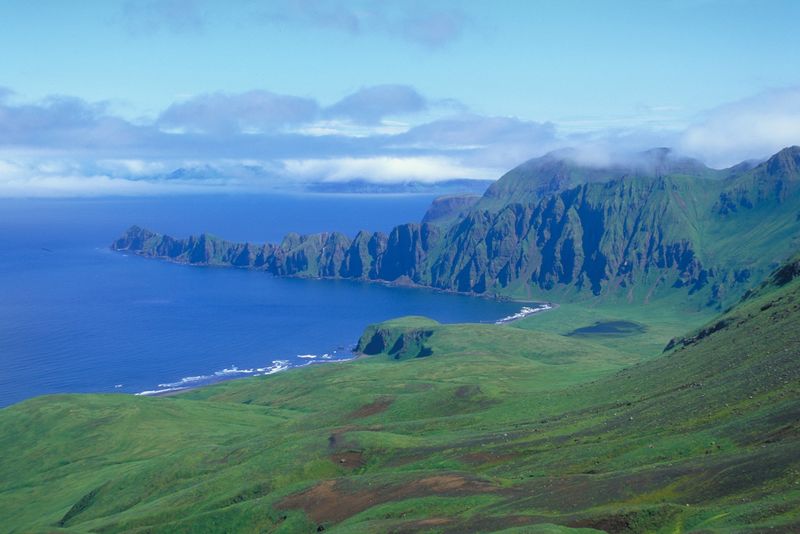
(447, 208)
(673, 226)
(567, 168)
(446, 428)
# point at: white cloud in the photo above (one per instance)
(65, 179)
(750, 128)
(385, 169)
(260, 140)
(350, 129)
(133, 167)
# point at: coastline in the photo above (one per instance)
(402, 282)
(173, 392)
(527, 311)
(176, 389)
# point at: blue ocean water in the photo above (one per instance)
(76, 317)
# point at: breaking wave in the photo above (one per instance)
(228, 373)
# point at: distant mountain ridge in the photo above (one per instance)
(455, 186)
(261, 178)
(553, 227)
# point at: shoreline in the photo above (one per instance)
(173, 392)
(386, 283)
(525, 312)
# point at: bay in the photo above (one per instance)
(77, 317)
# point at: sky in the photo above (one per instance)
(113, 96)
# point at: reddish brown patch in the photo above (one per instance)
(331, 501)
(348, 459)
(321, 503)
(375, 407)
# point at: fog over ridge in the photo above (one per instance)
(391, 133)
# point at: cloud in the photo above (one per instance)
(259, 140)
(497, 142)
(371, 104)
(253, 111)
(148, 17)
(61, 122)
(316, 13)
(750, 128)
(434, 29)
(263, 111)
(412, 22)
(471, 130)
(133, 167)
(384, 169)
(60, 179)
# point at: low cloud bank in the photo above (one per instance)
(259, 140)
(750, 128)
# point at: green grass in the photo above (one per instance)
(512, 428)
(661, 321)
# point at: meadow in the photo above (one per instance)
(445, 428)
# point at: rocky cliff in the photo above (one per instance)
(633, 235)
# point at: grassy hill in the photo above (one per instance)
(571, 419)
(567, 168)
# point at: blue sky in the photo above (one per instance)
(106, 96)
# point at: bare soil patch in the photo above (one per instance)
(375, 407)
(349, 459)
(331, 501)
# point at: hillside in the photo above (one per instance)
(445, 209)
(552, 229)
(473, 428)
(567, 168)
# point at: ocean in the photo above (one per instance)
(77, 317)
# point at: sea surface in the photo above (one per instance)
(77, 317)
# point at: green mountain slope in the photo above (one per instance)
(551, 229)
(567, 168)
(459, 428)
